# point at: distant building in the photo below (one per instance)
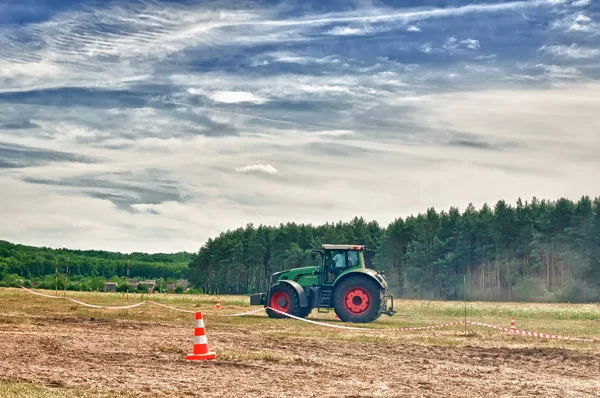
(110, 286)
(170, 287)
(133, 284)
(182, 282)
(150, 284)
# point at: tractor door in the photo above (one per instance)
(334, 262)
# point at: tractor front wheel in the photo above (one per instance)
(357, 299)
(285, 299)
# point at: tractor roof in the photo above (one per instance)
(343, 247)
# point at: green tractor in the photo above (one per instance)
(341, 282)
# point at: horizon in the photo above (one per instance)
(439, 211)
(158, 125)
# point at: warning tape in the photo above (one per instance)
(42, 294)
(171, 307)
(205, 313)
(509, 330)
(124, 307)
(241, 314)
(367, 329)
(527, 333)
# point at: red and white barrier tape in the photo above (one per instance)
(206, 313)
(527, 333)
(42, 294)
(509, 330)
(171, 307)
(368, 329)
(240, 314)
(85, 304)
(124, 307)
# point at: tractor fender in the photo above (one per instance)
(367, 272)
(302, 299)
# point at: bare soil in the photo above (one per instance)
(102, 356)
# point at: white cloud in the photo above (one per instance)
(581, 3)
(413, 28)
(258, 168)
(351, 31)
(573, 51)
(471, 43)
(560, 71)
(232, 97)
(290, 57)
(576, 23)
(426, 48)
(334, 133)
(367, 108)
(453, 43)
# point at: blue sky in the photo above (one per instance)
(151, 126)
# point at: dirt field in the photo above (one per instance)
(57, 348)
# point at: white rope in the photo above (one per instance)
(368, 329)
(509, 330)
(42, 294)
(241, 314)
(138, 304)
(124, 307)
(206, 313)
(527, 333)
(172, 308)
(321, 323)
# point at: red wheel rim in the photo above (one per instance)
(280, 301)
(357, 300)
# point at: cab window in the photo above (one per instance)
(352, 258)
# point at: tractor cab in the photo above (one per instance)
(336, 259)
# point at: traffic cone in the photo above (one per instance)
(512, 322)
(201, 352)
(218, 303)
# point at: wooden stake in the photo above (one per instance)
(67, 278)
(127, 282)
(56, 279)
(465, 296)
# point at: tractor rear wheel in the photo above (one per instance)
(285, 299)
(358, 299)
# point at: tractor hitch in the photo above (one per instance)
(388, 309)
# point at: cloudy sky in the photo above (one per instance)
(151, 126)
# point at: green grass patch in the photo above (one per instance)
(18, 389)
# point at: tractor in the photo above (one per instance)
(341, 281)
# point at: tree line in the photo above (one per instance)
(86, 268)
(538, 250)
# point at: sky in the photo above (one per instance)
(154, 125)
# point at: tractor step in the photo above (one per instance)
(324, 301)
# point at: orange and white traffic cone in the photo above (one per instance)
(201, 352)
(218, 303)
(512, 322)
